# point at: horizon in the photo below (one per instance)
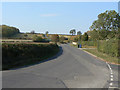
(54, 17)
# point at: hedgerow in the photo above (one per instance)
(110, 47)
(20, 54)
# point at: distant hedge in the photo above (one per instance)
(15, 55)
(110, 47)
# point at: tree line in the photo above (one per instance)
(107, 26)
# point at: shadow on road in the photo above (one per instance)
(52, 58)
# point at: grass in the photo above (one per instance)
(73, 45)
(85, 46)
(104, 56)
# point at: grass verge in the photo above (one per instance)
(106, 57)
(73, 45)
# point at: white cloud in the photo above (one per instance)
(48, 15)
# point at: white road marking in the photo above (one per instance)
(111, 76)
(111, 79)
(111, 84)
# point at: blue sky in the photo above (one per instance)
(55, 17)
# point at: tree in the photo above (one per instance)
(55, 38)
(46, 33)
(85, 37)
(32, 32)
(79, 33)
(107, 23)
(94, 35)
(73, 31)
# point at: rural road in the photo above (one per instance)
(73, 68)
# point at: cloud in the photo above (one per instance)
(48, 15)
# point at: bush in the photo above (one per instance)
(22, 54)
(55, 38)
(37, 38)
(8, 31)
(85, 37)
(89, 43)
(109, 47)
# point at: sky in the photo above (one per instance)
(54, 17)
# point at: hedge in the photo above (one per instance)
(110, 47)
(22, 54)
(89, 43)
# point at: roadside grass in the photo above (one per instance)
(104, 56)
(85, 46)
(73, 45)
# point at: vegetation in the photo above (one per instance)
(109, 47)
(55, 38)
(16, 55)
(85, 37)
(61, 39)
(37, 38)
(32, 32)
(107, 26)
(46, 33)
(106, 32)
(89, 43)
(104, 56)
(79, 33)
(73, 31)
(8, 31)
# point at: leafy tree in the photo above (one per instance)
(107, 23)
(85, 37)
(55, 38)
(94, 35)
(79, 33)
(73, 31)
(32, 32)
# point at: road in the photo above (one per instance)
(72, 68)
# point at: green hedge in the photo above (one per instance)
(14, 55)
(89, 43)
(110, 47)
